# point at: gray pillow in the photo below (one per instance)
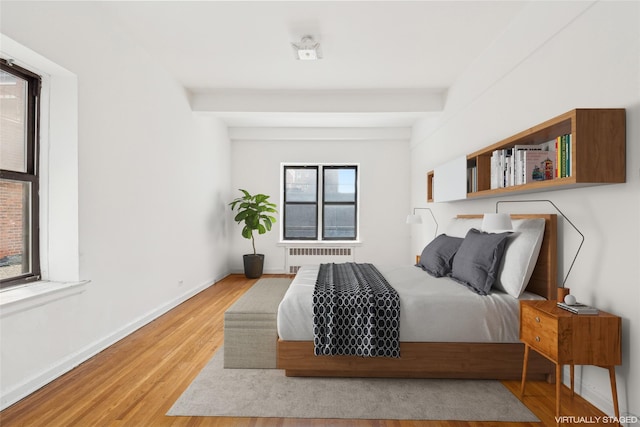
(437, 256)
(477, 261)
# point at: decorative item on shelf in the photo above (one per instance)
(565, 291)
(496, 222)
(417, 219)
(253, 211)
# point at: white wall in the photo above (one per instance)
(556, 57)
(384, 193)
(153, 182)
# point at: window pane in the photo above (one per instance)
(300, 184)
(300, 222)
(15, 226)
(339, 222)
(13, 122)
(340, 185)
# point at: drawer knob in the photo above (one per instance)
(537, 339)
(537, 319)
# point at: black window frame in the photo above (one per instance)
(320, 202)
(298, 203)
(326, 203)
(31, 174)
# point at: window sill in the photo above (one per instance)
(317, 243)
(35, 294)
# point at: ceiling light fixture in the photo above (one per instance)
(307, 50)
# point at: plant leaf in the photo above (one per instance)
(246, 232)
(241, 215)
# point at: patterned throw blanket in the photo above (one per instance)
(355, 312)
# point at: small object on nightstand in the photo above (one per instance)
(576, 307)
(569, 299)
(562, 293)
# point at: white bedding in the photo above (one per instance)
(431, 309)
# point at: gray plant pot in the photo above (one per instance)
(253, 265)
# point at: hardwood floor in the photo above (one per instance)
(135, 381)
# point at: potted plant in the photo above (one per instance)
(253, 211)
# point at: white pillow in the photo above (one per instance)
(520, 255)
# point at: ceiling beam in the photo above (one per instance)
(320, 108)
(319, 101)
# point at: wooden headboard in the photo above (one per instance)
(544, 280)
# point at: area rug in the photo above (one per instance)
(267, 393)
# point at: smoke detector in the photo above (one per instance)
(307, 50)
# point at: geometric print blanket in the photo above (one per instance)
(355, 312)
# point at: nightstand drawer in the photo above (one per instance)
(540, 331)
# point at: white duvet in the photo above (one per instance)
(431, 309)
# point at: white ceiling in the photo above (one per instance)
(368, 47)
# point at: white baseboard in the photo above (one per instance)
(63, 366)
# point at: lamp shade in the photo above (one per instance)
(495, 222)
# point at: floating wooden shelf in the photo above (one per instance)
(598, 153)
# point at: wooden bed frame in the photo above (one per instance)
(441, 359)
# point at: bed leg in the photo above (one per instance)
(525, 362)
(551, 378)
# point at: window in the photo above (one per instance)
(320, 200)
(19, 110)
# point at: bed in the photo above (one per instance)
(467, 344)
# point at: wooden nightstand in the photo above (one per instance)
(570, 339)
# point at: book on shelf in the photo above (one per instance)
(498, 159)
(563, 156)
(578, 308)
(514, 166)
(472, 179)
(558, 151)
(537, 166)
(567, 152)
(503, 168)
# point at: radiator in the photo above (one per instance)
(299, 256)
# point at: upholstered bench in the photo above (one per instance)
(250, 331)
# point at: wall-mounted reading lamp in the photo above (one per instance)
(417, 219)
(537, 201)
